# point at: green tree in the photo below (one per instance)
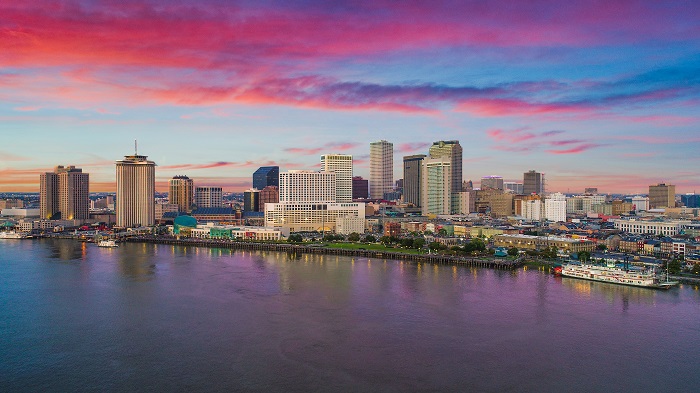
(513, 251)
(674, 266)
(354, 237)
(385, 240)
(295, 238)
(695, 269)
(434, 246)
(370, 239)
(601, 247)
(442, 232)
(418, 243)
(584, 256)
(407, 242)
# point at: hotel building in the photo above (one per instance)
(136, 185)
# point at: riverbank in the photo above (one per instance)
(492, 263)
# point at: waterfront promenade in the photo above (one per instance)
(486, 262)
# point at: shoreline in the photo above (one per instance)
(309, 249)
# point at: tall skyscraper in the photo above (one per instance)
(381, 168)
(662, 195)
(451, 150)
(181, 192)
(266, 176)
(136, 187)
(341, 165)
(208, 196)
(533, 183)
(64, 193)
(436, 187)
(360, 188)
(412, 170)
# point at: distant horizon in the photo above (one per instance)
(593, 95)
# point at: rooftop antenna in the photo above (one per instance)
(136, 148)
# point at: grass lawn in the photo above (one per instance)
(373, 247)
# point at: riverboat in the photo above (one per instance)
(13, 235)
(615, 274)
(107, 243)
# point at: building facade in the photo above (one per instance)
(136, 186)
(269, 194)
(64, 193)
(634, 226)
(360, 188)
(533, 183)
(381, 168)
(251, 200)
(492, 182)
(452, 151)
(266, 176)
(640, 203)
(321, 217)
(555, 207)
(436, 186)
(181, 192)
(412, 183)
(341, 165)
(307, 186)
(208, 196)
(662, 195)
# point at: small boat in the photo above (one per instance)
(13, 235)
(107, 243)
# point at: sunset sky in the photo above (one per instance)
(593, 93)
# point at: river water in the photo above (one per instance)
(142, 317)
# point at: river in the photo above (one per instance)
(144, 317)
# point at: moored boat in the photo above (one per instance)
(13, 235)
(107, 243)
(615, 274)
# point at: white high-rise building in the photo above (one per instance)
(307, 186)
(208, 196)
(341, 165)
(136, 187)
(381, 168)
(307, 202)
(555, 207)
(436, 186)
(532, 209)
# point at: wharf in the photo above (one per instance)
(490, 263)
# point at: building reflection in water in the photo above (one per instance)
(67, 250)
(137, 262)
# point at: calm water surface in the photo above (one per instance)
(75, 317)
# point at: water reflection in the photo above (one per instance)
(67, 250)
(610, 292)
(137, 263)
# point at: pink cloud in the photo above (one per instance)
(330, 148)
(411, 147)
(576, 150)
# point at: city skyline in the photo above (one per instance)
(594, 96)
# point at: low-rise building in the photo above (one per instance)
(528, 242)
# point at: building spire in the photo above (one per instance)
(136, 148)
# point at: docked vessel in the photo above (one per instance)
(12, 235)
(107, 243)
(612, 273)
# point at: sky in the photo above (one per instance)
(592, 93)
